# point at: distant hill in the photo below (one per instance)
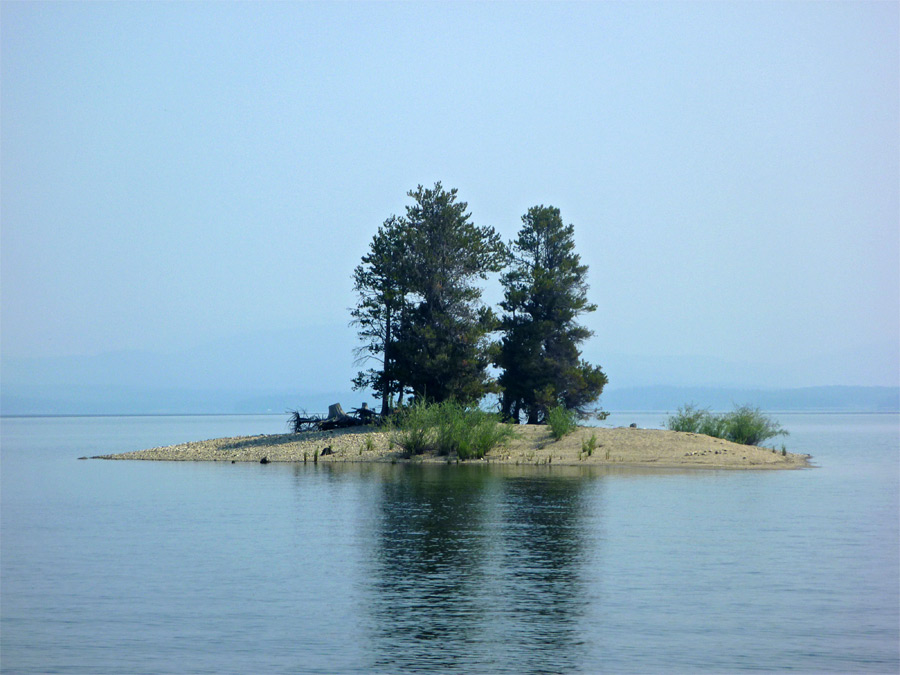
(311, 367)
(803, 399)
(132, 400)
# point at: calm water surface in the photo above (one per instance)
(146, 567)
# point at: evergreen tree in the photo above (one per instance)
(544, 292)
(445, 354)
(419, 312)
(380, 282)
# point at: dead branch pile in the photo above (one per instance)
(299, 421)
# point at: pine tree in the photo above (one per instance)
(380, 282)
(544, 292)
(419, 312)
(446, 350)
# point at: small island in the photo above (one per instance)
(431, 344)
(531, 445)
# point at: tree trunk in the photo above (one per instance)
(386, 393)
(335, 411)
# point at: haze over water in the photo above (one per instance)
(187, 187)
(143, 567)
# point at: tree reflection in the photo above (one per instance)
(476, 570)
(428, 562)
(545, 539)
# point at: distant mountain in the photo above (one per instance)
(271, 370)
(260, 371)
(96, 400)
(121, 400)
(803, 399)
(876, 364)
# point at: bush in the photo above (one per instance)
(744, 425)
(714, 425)
(412, 428)
(448, 428)
(689, 418)
(482, 433)
(561, 421)
(748, 426)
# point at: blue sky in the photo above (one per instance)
(176, 175)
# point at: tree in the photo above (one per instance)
(445, 352)
(545, 290)
(419, 312)
(380, 282)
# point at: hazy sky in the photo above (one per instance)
(175, 173)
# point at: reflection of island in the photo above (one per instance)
(472, 567)
(428, 564)
(544, 559)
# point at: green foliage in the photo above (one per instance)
(714, 425)
(744, 425)
(446, 355)
(562, 421)
(380, 282)
(448, 428)
(688, 419)
(419, 313)
(421, 322)
(589, 445)
(749, 426)
(545, 290)
(486, 433)
(412, 428)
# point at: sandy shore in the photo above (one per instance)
(533, 445)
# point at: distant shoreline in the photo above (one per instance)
(91, 400)
(532, 446)
(661, 412)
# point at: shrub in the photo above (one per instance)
(748, 426)
(744, 425)
(689, 418)
(482, 432)
(588, 445)
(714, 425)
(448, 428)
(561, 421)
(412, 428)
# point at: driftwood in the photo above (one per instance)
(366, 414)
(300, 421)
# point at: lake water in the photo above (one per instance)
(147, 567)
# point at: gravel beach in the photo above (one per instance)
(532, 445)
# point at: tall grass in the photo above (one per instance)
(561, 421)
(448, 428)
(589, 445)
(744, 425)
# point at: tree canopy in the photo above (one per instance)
(380, 281)
(419, 309)
(545, 290)
(420, 317)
